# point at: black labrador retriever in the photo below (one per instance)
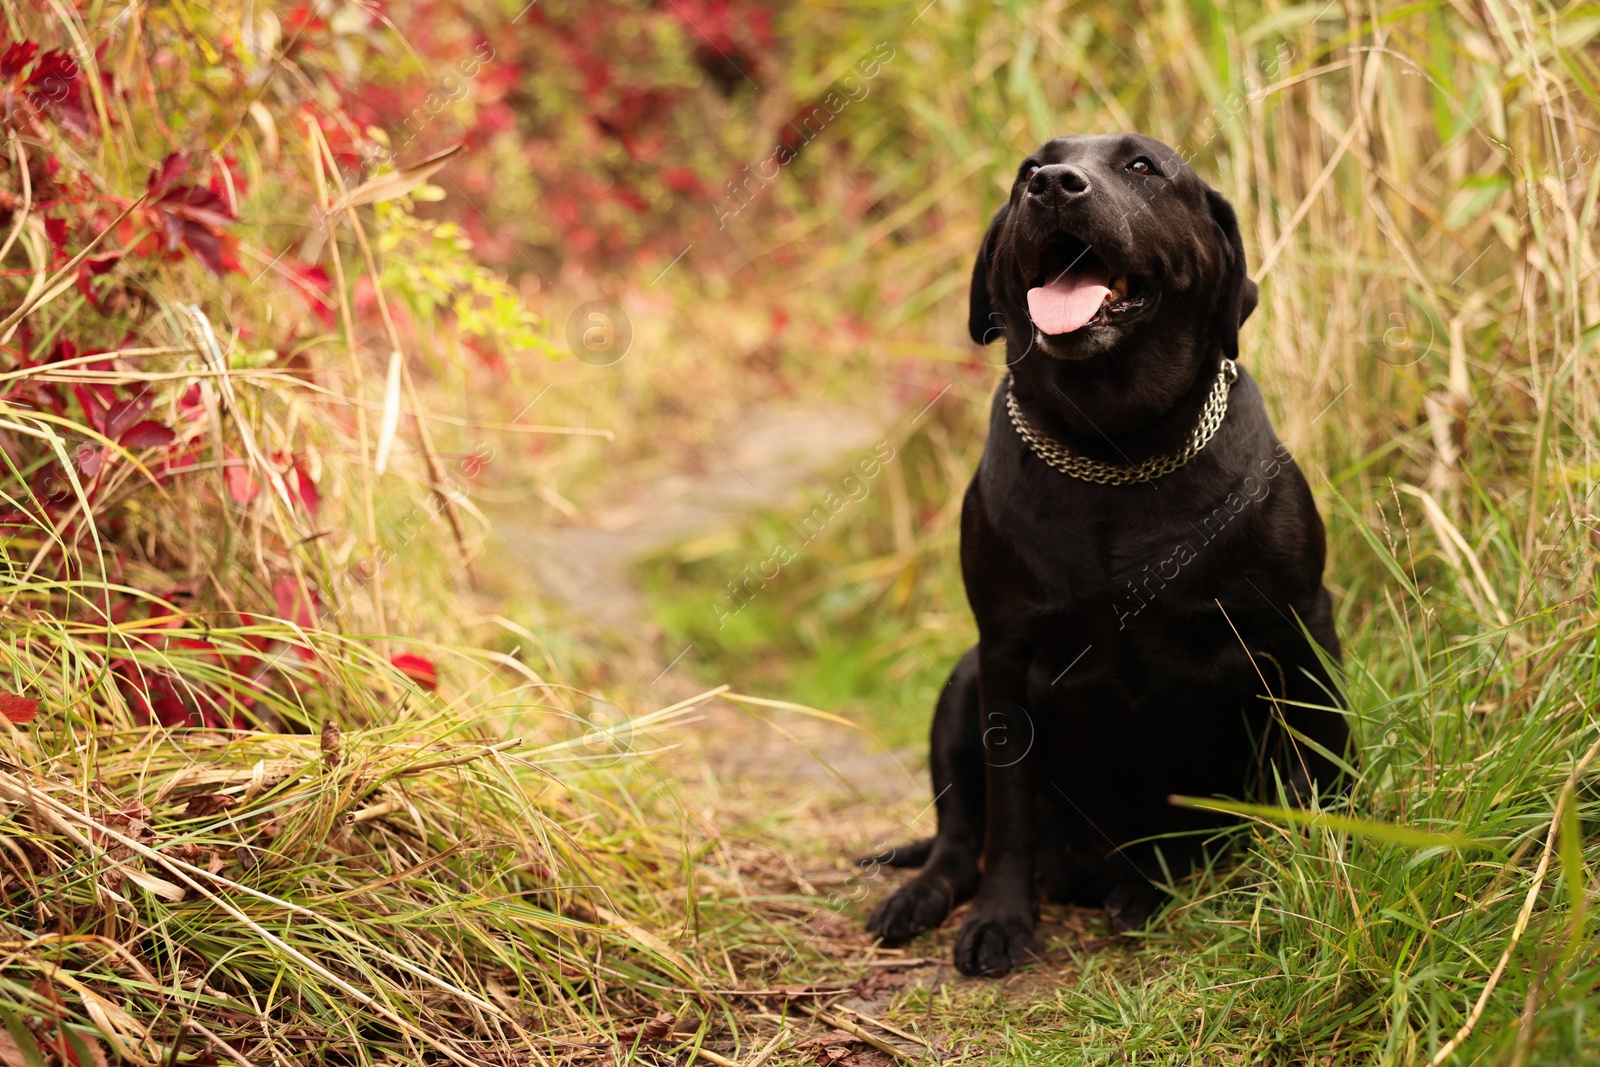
(1143, 558)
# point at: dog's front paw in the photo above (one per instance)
(993, 943)
(920, 904)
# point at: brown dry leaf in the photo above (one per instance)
(826, 924)
(332, 744)
(10, 1054)
(653, 1032)
(881, 980)
(160, 887)
(835, 1046)
(13, 1056)
(399, 182)
(130, 815)
(389, 425)
(203, 804)
(97, 1055)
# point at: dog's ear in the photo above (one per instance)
(1252, 297)
(984, 324)
(1239, 294)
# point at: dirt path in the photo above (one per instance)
(821, 793)
(765, 460)
(769, 459)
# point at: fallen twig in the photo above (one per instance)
(887, 1028)
(712, 1057)
(859, 1032)
(456, 761)
(767, 1051)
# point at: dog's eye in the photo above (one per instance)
(1141, 166)
(1029, 171)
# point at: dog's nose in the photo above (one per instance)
(1061, 178)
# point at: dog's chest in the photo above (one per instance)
(1086, 546)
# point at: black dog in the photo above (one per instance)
(1141, 554)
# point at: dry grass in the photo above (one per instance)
(369, 872)
(270, 807)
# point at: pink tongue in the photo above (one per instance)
(1065, 303)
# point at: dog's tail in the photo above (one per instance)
(913, 855)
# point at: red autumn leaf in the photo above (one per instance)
(301, 19)
(56, 230)
(147, 434)
(18, 709)
(123, 415)
(228, 255)
(242, 485)
(54, 87)
(419, 669)
(90, 269)
(205, 243)
(179, 460)
(95, 403)
(162, 178)
(192, 402)
(100, 263)
(315, 285)
(305, 488)
(197, 203)
(55, 63)
(682, 180)
(51, 486)
(191, 216)
(90, 459)
(16, 58)
(106, 362)
(293, 605)
(152, 695)
(230, 186)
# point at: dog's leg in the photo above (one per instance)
(911, 855)
(1131, 902)
(950, 870)
(999, 931)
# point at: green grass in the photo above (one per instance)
(1314, 943)
(1426, 342)
(859, 618)
(1418, 189)
(1328, 946)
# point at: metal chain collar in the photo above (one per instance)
(1089, 470)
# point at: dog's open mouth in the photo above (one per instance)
(1075, 288)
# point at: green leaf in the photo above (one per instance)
(1383, 831)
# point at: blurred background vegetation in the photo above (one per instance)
(285, 372)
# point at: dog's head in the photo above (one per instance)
(1111, 246)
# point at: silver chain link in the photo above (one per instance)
(1089, 470)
